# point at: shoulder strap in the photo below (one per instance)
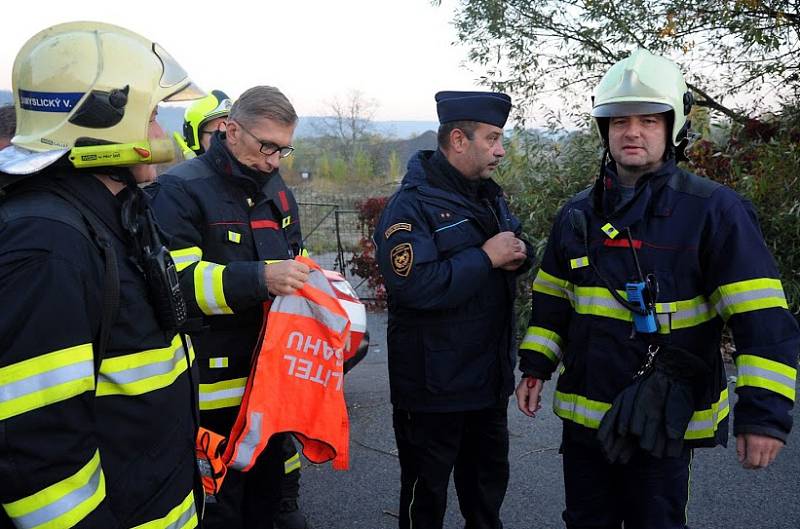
(84, 221)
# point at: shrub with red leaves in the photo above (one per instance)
(363, 263)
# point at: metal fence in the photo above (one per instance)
(332, 234)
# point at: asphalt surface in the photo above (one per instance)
(723, 495)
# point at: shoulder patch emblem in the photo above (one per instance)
(400, 226)
(402, 257)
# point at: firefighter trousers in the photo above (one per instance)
(473, 445)
(645, 493)
(250, 500)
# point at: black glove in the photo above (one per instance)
(653, 412)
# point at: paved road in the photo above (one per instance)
(723, 496)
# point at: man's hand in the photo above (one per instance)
(284, 277)
(505, 251)
(529, 392)
(757, 451)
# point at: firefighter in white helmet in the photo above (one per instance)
(97, 397)
(640, 274)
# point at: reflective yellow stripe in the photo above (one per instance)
(589, 413)
(749, 295)
(291, 464)
(598, 301)
(142, 372)
(223, 394)
(759, 372)
(62, 504)
(543, 341)
(218, 362)
(183, 516)
(186, 257)
(45, 380)
(552, 286)
(579, 262)
(704, 423)
(234, 237)
(208, 290)
(579, 409)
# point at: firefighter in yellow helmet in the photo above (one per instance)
(97, 396)
(641, 273)
(201, 120)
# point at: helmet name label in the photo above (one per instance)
(49, 101)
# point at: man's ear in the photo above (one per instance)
(458, 140)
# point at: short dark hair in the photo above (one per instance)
(8, 121)
(262, 102)
(443, 136)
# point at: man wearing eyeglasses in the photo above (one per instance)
(234, 231)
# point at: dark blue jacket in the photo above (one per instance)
(451, 322)
(703, 243)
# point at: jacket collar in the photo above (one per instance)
(225, 164)
(606, 192)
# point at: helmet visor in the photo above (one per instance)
(187, 93)
(629, 108)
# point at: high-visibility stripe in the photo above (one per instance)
(218, 362)
(579, 262)
(208, 290)
(543, 341)
(357, 315)
(62, 504)
(704, 423)
(182, 516)
(291, 464)
(305, 307)
(749, 295)
(46, 379)
(579, 409)
(759, 372)
(223, 394)
(589, 413)
(234, 237)
(186, 257)
(246, 447)
(598, 301)
(552, 286)
(142, 372)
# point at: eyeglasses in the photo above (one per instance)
(267, 147)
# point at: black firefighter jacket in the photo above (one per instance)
(87, 442)
(225, 222)
(703, 243)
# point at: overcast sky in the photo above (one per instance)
(397, 52)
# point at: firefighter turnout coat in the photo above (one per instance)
(224, 222)
(703, 243)
(86, 442)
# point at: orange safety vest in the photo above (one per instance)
(296, 382)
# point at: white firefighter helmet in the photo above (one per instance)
(90, 88)
(643, 83)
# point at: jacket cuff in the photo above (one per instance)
(780, 435)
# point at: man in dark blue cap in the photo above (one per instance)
(450, 251)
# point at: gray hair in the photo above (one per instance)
(8, 121)
(262, 102)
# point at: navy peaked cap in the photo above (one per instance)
(485, 107)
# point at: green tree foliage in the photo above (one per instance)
(728, 48)
(395, 170)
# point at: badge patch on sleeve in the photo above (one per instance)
(402, 258)
(400, 226)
